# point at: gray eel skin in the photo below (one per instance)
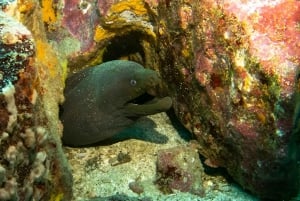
(101, 101)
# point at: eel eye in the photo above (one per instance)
(132, 82)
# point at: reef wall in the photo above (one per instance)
(230, 66)
(32, 163)
(232, 71)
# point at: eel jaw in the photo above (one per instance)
(147, 104)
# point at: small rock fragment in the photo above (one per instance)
(179, 168)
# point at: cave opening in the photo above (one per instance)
(128, 46)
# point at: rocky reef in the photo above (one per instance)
(231, 68)
(234, 84)
(32, 164)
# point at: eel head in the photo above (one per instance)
(143, 99)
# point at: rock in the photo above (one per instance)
(32, 164)
(179, 168)
(103, 31)
(120, 197)
(233, 76)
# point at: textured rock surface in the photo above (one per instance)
(179, 168)
(32, 164)
(233, 82)
(103, 172)
(17, 102)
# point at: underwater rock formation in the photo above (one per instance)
(230, 67)
(233, 82)
(32, 164)
(17, 100)
(179, 168)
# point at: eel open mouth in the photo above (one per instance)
(142, 99)
(146, 104)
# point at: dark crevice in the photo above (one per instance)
(128, 46)
(181, 129)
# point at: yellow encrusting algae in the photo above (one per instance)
(57, 197)
(46, 56)
(136, 6)
(101, 34)
(48, 12)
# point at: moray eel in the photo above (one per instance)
(101, 101)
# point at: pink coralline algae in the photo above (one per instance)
(275, 37)
(232, 70)
(80, 19)
(105, 5)
(179, 168)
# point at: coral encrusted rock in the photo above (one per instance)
(179, 168)
(231, 67)
(32, 164)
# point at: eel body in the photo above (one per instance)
(101, 101)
